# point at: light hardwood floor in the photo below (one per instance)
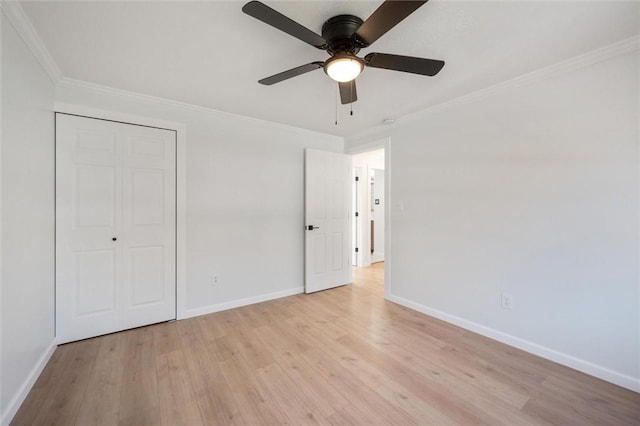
(342, 356)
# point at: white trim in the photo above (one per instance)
(357, 225)
(195, 312)
(1, 239)
(587, 367)
(20, 396)
(87, 111)
(181, 178)
(388, 196)
(18, 18)
(97, 88)
(593, 57)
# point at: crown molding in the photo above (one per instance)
(71, 83)
(590, 58)
(20, 21)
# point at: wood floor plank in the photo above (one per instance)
(587, 402)
(432, 388)
(166, 337)
(224, 348)
(176, 398)
(101, 402)
(253, 350)
(466, 375)
(51, 380)
(285, 393)
(217, 406)
(419, 409)
(344, 356)
(139, 395)
(605, 396)
(362, 398)
(252, 399)
(312, 386)
(63, 400)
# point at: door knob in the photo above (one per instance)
(114, 239)
(311, 227)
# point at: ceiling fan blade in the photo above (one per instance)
(264, 13)
(348, 92)
(384, 18)
(293, 72)
(410, 64)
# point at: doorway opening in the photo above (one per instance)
(368, 222)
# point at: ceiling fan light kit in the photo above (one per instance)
(342, 37)
(343, 67)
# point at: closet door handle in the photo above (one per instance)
(114, 239)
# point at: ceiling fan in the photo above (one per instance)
(342, 37)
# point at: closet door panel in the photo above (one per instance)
(115, 226)
(88, 205)
(148, 225)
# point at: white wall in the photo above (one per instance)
(27, 220)
(531, 191)
(244, 198)
(372, 159)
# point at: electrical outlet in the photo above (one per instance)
(507, 301)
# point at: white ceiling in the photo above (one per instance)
(210, 54)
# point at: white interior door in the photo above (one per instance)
(327, 218)
(148, 225)
(115, 226)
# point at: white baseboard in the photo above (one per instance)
(22, 393)
(587, 367)
(240, 302)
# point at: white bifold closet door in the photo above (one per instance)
(115, 226)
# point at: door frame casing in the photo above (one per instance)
(181, 151)
(383, 143)
(377, 215)
(356, 221)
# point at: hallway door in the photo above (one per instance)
(327, 220)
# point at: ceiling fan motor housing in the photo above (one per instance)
(339, 31)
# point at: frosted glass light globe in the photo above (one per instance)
(343, 68)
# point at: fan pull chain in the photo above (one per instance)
(337, 88)
(351, 103)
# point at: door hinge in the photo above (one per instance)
(356, 249)
(357, 214)
(357, 179)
